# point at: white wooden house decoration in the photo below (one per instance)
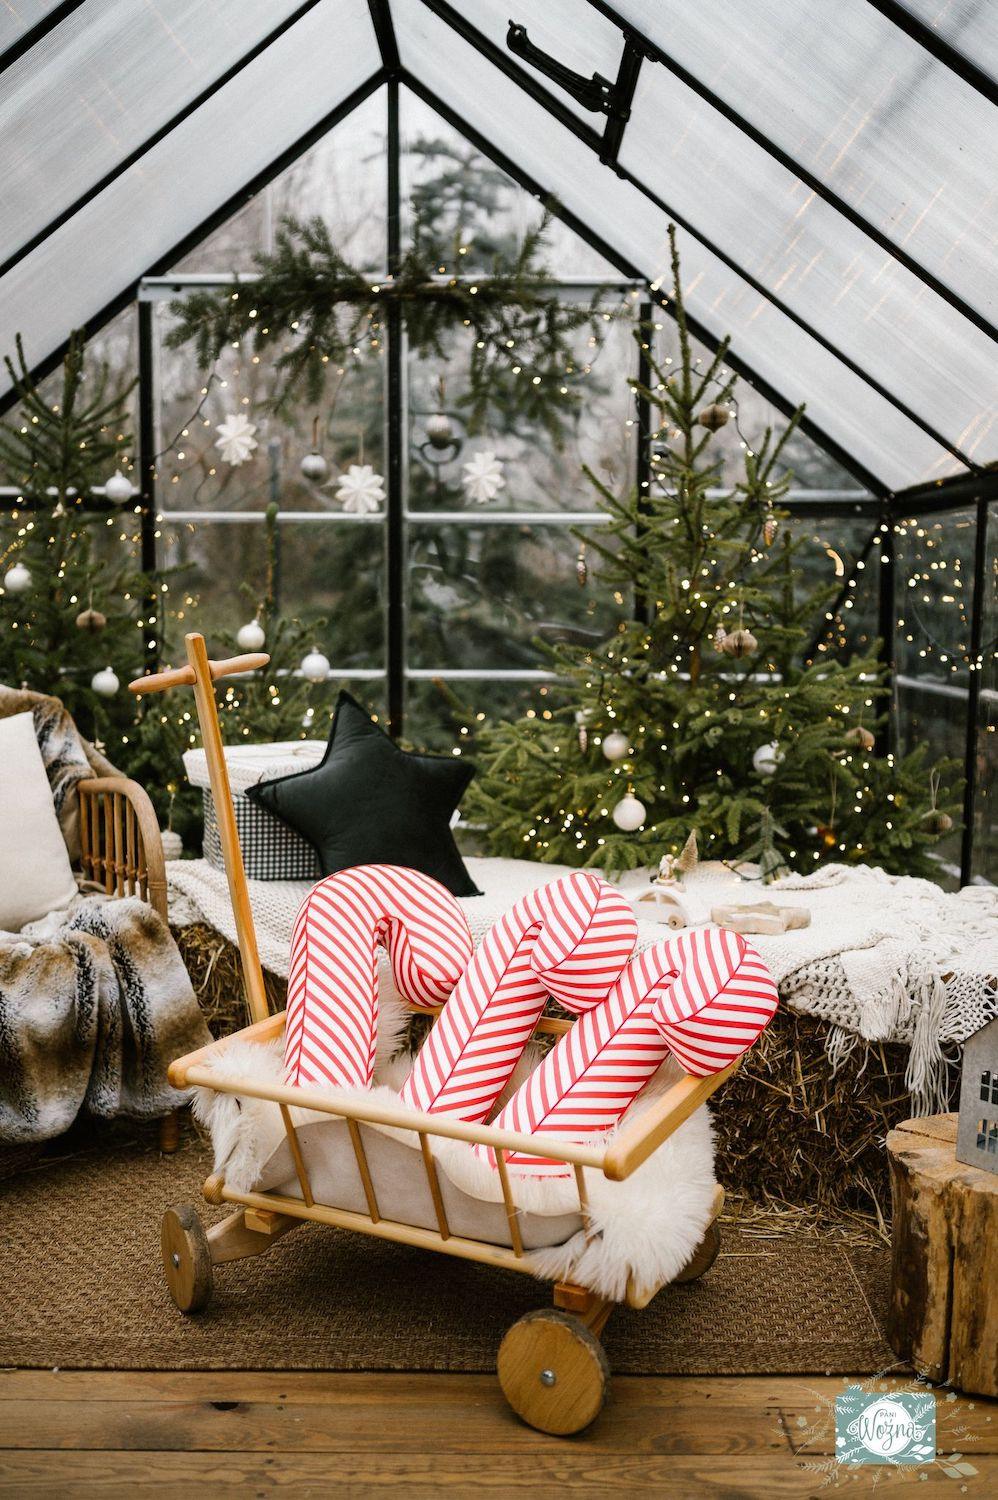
(977, 1132)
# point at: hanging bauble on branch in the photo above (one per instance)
(767, 759)
(582, 567)
(629, 813)
(769, 527)
(483, 477)
(105, 682)
(582, 728)
(738, 643)
(934, 820)
(439, 427)
(91, 619)
(313, 466)
(315, 666)
(251, 636)
(119, 488)
(615, 745)
(714, 417)
(17, 580)
(235, 439)
(860, 736)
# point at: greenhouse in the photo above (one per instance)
(577, 423)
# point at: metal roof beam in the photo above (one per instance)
(488, 49)
(384, 31)
(35, 33)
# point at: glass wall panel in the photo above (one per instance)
(99, 85)
(183, 180)
(17, 18)
(480, 596)
(328, 572)
(441, 715)
(985, 864)
(897, 136)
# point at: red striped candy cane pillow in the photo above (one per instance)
(331, 1030)
(705, 995)
(569, 939)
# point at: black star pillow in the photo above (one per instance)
(369, 802)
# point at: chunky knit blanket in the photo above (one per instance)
(886, 958)
(95, 1003)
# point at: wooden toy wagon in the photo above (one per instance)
(366, 1163)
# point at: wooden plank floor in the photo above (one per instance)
(111, 1433)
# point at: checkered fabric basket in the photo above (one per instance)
(271, 850)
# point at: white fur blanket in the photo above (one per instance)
(95, 1003)
(886, 958)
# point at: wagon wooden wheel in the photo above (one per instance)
(186, 1258)
(553, 1371)
(703, 1256)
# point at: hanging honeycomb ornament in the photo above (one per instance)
(934, 821)
(714, 416)
(861, 736)
(740, 642)
(91, 619)
(719, 636)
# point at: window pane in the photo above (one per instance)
(986, 763)
(967, 25)
(445, 714)
(479, 595)
(192, 473)
(326, 571)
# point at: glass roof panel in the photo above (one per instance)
(841, 403)
(829, 272)
(100, 84)
(18, 16)
(569, 30)
(895, 134)
(139, 217)
(969, 26)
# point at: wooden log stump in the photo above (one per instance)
(944, 1273)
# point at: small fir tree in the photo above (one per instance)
(81, 610)
(718, 723)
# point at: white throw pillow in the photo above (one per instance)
(35, 874)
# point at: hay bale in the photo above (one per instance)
(789, 1133)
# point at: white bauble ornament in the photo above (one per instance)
(17, 580)
(251, 636)
(235, 439)
(629, 813)
(439, 429)
(119, 488)
(173, 844)
(615, 745)
(315, 666)
(105, 682)
(314, 467)
(767, 758)
(482, 477)
(360, 490)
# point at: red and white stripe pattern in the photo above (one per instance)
(705, 995)
(331, 1031)
(569, 939)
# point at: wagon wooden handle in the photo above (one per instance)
(158, 682)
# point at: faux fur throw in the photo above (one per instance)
(68, 758)
(95, 1003)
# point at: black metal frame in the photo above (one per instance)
(980, 489)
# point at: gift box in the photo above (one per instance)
(271, 850)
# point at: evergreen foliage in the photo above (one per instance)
(696, 717)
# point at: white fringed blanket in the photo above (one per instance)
(886, 958)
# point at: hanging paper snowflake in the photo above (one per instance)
(483, 477)
(235, 438)
(360, 490)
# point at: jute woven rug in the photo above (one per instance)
(79, 1264)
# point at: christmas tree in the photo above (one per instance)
(705, 710)
(73, 597)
